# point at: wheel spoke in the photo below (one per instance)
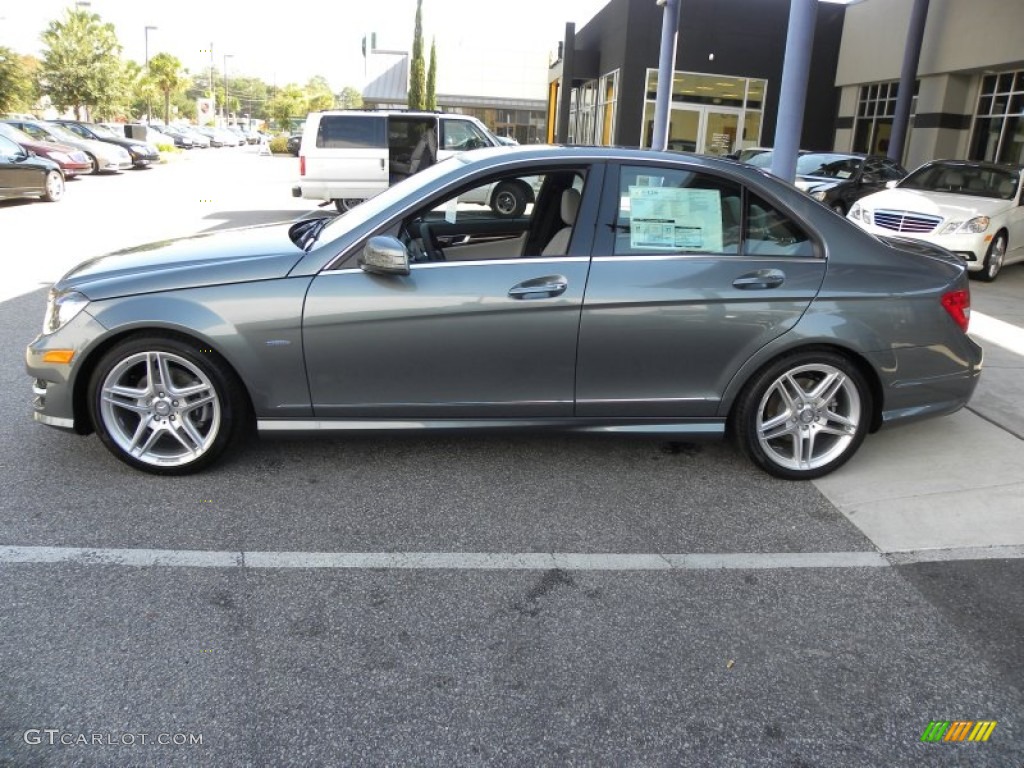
(191, 389)
(127, 405)
(828, 388)
(176, 432)
(191, 405)
(165, 372)
(154, 435)
(777, 426)
(848, 425)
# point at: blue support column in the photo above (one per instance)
(793, 96)
(911, 57)
(666, 70)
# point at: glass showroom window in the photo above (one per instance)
(999, 119)
(875, 111)
(607, 98)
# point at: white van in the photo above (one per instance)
(347, 156)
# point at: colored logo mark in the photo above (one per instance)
(958, 730)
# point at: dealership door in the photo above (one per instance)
(705, 130)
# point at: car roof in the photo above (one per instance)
(981, 164)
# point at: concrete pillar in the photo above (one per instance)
(793, 95)
(666, 69)
(911, 57)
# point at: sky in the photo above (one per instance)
(289, 42)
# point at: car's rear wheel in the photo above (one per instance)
(54, 189)
(509, 200)
(165, 406)
(994, 258)
(94, 162)
(804, 415)
(344, 204)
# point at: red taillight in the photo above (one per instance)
(302, 165)
(958, 304)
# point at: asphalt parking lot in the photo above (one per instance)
(477, 601)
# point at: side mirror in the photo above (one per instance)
(384, 255)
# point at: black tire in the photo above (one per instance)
(165, 405)
(779, 417)
(345, 204)
(509, 199)
(54, 186)
(994, 258)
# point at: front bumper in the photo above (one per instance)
(971, 248)
(53, 384)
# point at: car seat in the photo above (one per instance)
(559, 244)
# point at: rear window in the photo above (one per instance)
(351, 132)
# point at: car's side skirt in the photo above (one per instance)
(693, 429)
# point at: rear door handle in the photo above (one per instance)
(760, 280)
(539, 288)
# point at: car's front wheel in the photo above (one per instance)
(164, 405)
(54, 189)
(994, 258)
(804, 415)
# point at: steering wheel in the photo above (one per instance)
(430, 244)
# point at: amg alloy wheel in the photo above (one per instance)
(804, 415)
(163, 405)
(994, 258)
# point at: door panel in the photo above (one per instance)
(695, 276)
(447, 341)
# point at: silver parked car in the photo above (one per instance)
(640, 293)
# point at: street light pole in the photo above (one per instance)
(225, 111)
(149, 103)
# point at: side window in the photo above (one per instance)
(350, 132)
(769, 232)
(891, 171)
(665, 210)
(501, 217)
(461, 135)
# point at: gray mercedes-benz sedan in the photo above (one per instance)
(640, 292)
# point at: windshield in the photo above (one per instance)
(101, 130)
(964, 179)
(365, 211)
(15, 134)
(63, 134)
(828, 165)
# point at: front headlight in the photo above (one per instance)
(819, 196)
(970, 227)
(856, 213)
(61, 309)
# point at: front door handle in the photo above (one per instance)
(539, 288)
(759, 280)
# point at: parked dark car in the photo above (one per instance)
(181, 140)
(294, 143)
(641, 293)
(23, 174)
(839, 179)
(73, 162)
(143, 154)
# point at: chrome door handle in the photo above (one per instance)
(761, 279)
(539, 288)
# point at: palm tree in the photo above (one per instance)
(165, 73)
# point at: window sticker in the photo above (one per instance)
(677, 219)
(451, 211)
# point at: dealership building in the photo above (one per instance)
(968, 102)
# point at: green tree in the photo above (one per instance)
(349, 98)
(166, 74)
(431, 100)
(140, 92)
(288, 103)
(17, 93)
(416, 69)
(318, 94)
(81, 64)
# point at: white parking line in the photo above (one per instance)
(478, 561)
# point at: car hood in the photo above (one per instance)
(944, 204)
(233, 256)
(816, 183)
